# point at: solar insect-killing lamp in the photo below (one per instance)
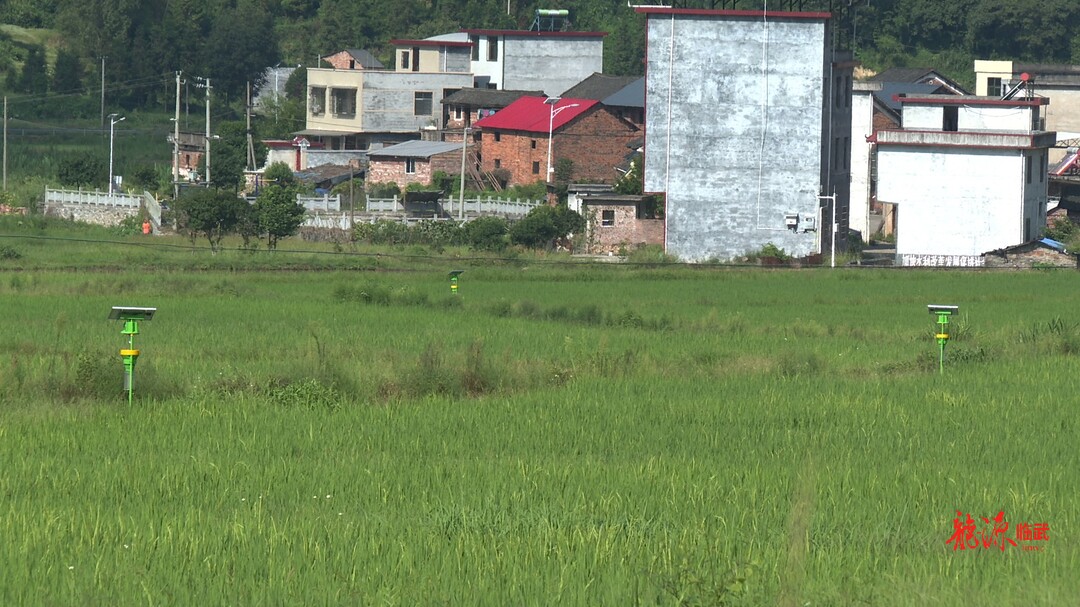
(454, 280)
(130, 318)
(942, 335)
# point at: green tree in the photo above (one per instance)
(67, 72)
(280, 215)
(241, 44)
(34, 78)
(83, 170)
(486, 233)
(546, 224)
(209, 212)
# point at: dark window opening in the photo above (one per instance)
(607, 217)
(951, 119)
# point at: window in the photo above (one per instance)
(410, 166)
(498, 136)
(532, 144)
(457, 112)
(950, 118)
(607, 217)
(1042, 173)
(492, 48)
(405, 60)
(416, 59)
(536, 168)
(343, 103)
(993, 87)
(1027, 167)
(498, 163)
(475, 40)
(316, 100)
(422, 104)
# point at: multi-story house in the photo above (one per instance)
(748, 130)
(529, 137)
(361, 109)
(967, 174)
(535, 60)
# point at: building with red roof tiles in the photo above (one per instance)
(585, 132)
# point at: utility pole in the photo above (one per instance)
(176, 142)
(102, 91)
(5, 143)
(205, 83)
(250, 143)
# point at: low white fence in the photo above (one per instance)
(93, 197)
(324, 203)
(474, 206)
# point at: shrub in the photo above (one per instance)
(1062, 229)
(486, 234)
(383, 190)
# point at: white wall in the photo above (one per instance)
(954, 201)
(862, 126)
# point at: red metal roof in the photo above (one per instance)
(532, 114)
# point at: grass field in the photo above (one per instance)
(350, 433)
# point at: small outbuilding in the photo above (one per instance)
(1045, 253)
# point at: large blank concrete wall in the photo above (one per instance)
(551, 65)
(954, 201)
(734, 131)
(388, 98)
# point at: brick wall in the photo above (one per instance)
(340, 61)
(595, 142)
(385, 170)
(626, 231)
(883, 121)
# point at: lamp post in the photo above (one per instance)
(551, 102)
(112, 129)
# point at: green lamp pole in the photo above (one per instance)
(942, 336)
(130, 317)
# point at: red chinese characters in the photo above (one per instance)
(993, 533)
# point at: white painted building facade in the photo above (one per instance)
(862, 128)
(968, 175)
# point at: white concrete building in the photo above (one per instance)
(1058, 83)
(529, 60)
(968, 175)
(747, 130)
(862, 128)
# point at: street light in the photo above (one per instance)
(552, 102)
(112, 124)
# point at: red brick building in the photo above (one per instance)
(617, 223)
(352, 59)
(413, 162)
(584, 131)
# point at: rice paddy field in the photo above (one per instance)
(348, 432)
